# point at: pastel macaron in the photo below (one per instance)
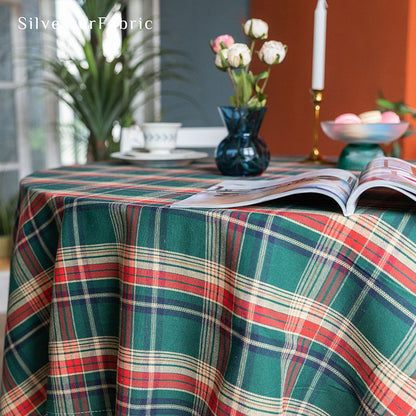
(370, 117)
(390, 117)
(348, 118)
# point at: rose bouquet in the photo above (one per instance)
(235, 58)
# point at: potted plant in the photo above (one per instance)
(103, 92)
(402, 109)
(243, 152)
(7, 218)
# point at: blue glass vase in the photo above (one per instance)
(242, 152)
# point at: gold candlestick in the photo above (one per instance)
(315, 155)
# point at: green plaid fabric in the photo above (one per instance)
(121, 305)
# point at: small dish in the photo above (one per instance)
(363, 141)
(177, 158)
(375, 133)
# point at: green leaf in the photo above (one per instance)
(233, 101)
(262, 76)
(253, 102)
(7, 215)
(258, 100)
(385, 103)
(247, 88)
(251, 78)
(243, 87)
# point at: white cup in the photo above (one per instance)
(160, 138)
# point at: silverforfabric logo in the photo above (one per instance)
(38, 23)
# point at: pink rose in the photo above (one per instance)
(227, 40)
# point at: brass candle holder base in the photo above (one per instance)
(315, 156)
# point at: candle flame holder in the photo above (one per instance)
(315, 156)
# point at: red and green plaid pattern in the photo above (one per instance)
(121, 305)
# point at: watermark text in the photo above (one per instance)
(38, 23)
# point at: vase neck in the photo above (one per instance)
(244, 121)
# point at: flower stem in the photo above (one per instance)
(251, 54)
(231, 77)
(265, 81)
(230, 74)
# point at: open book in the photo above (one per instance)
(341, 185)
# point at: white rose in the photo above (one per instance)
(221, 61)
(239, 55)
(272, 52)
(256, 29)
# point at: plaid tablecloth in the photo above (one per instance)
(121, 305)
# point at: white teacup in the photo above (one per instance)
(160, 137)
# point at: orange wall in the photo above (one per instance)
(409, 144)
(365, 52)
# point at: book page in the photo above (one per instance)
(387, 172)
(334, 183)
(396, 171)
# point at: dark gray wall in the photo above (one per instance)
(189, 25)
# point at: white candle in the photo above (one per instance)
(319, 37)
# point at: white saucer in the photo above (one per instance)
(179, 157)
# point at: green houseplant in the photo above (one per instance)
(101, 91)
(401, 109)
(7, 218)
